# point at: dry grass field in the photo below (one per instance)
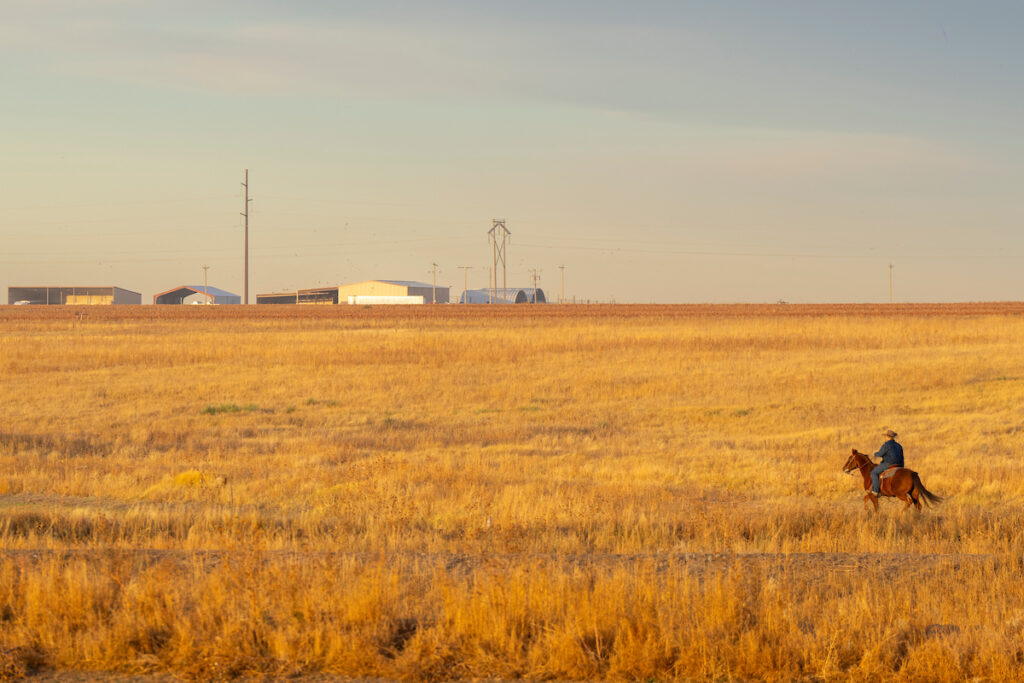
(550, 492)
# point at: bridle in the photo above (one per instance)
(856, 468)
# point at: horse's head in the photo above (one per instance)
(854, 462)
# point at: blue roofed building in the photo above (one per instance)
(196, 294)
(512, 295)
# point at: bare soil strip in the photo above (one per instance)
(697, 563)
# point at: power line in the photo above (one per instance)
(701, 252)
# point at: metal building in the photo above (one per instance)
(72, 296)
(371, 300)
(512, 295)
(395, 288)
(198, 293)
(317, 295)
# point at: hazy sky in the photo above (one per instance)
(660, 151)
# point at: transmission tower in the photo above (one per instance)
(498, 235)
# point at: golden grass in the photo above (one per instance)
(542, 492)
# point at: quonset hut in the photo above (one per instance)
(512, 295)
(198, 293)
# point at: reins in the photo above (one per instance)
(860, 467)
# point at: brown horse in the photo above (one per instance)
(903, 483)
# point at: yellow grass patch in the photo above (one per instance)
(542, 492)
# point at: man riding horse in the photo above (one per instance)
(891, 454)
(900, 482)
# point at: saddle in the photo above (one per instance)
(883, 478)
(889, 471)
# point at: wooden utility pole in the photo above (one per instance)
(561, 298)
(245, 213)
(206, 295)
(465, 280)
(536, 278)
(433, 292)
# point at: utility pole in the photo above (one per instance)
(498, 235)
(206, 295)
(433, 292)
(536, 278)
(245, 213)
(890, 283)
(561, 298)
(465, 279)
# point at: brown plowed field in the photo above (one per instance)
(523, 311)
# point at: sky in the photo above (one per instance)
(650, 151)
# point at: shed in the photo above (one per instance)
(316, 295)
(72, 296)
(199, 293)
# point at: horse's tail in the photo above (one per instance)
(928, 496)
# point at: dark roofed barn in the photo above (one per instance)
(72, 296)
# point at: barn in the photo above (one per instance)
(512, 295)
(316, 295)
(394, 288)
(72, 296)
(198, 294)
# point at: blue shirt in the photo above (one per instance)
(891, 453)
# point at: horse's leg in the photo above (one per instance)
(915, 498)
(874, 501)
(901, 493)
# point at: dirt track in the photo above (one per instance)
(460, 564)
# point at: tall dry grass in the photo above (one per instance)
(571, 492)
